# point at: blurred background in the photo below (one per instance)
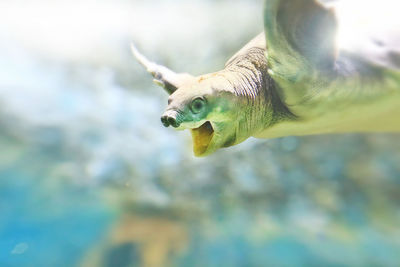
(90, 177)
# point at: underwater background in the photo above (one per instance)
(90, 177)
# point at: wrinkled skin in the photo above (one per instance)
(225, 108)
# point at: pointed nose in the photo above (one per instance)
(170, 118)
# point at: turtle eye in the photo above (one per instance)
(197, 105)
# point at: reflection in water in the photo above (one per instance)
(89, 177)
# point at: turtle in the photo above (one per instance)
(290, 80)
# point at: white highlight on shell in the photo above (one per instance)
(361, 20)
(271, 72)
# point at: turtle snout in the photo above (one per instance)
(170, 118)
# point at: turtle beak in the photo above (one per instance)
(169, 118)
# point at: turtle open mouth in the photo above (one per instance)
(202, 137)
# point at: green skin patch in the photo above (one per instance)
(208, 113)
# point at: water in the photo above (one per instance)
(89, 177)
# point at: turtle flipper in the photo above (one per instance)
(163, 76)
(300, 36)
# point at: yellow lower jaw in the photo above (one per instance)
(201, 139)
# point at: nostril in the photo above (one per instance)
(169, 118)
(164, 121)
(173, 122)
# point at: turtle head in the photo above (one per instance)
(205, 105)
(206, 110)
